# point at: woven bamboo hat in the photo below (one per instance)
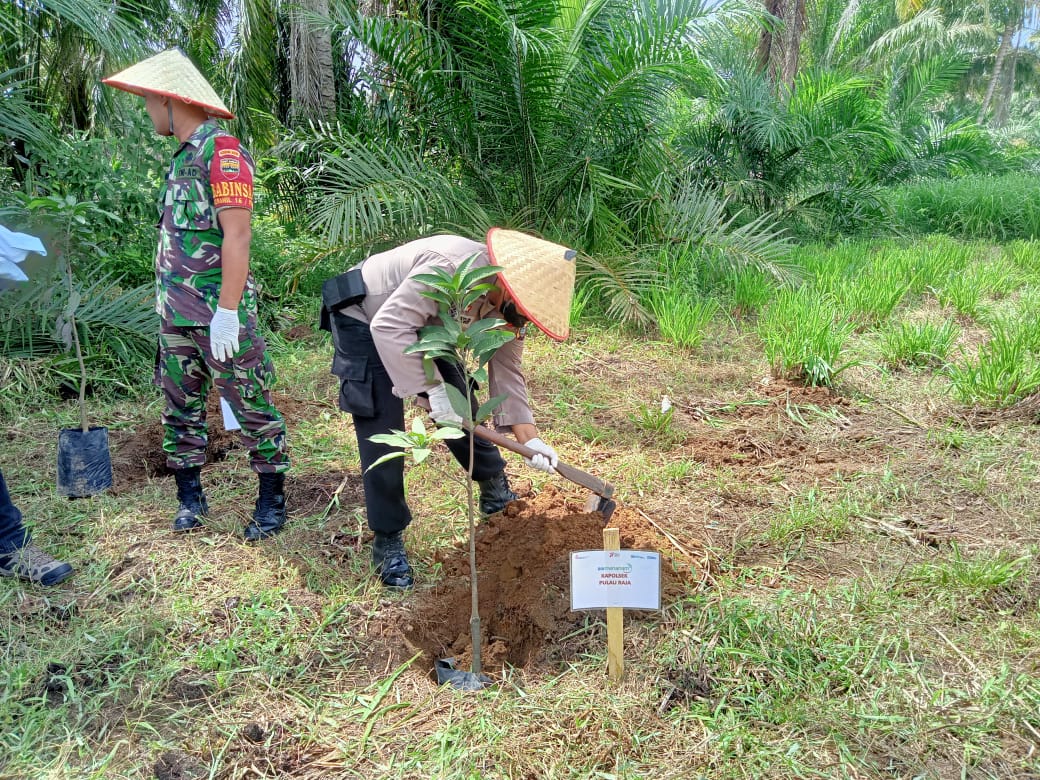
(540, 277)
(170, 73)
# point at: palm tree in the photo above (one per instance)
(780, 42)
(51, 58)
(311, 80)
(550, 116)
(1012, 16)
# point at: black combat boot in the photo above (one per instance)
(193, 501)
(495, 494)
(269, 515)
(391, 561)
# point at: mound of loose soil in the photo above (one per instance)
(137, 455)
(523, 560)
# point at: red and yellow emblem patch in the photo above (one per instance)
(231, 175)
(230, 162)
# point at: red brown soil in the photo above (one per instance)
(137, 454)
(523, 560)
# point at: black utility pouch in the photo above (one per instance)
(344, 290)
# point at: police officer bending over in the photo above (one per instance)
(536, 285)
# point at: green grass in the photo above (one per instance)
(749, 291)
(919, 344)
(804, 336)
(995, 208)
(871, 610)
(1005, 370)
(681, 318)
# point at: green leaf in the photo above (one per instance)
(439, 279)
(448, 432)
(470, 277)
(459, 402)
(418, 426)
(489, 406)
(437, 295)
(396, 439)
(420, 454)
(484, 345)
(385, 458)
(472, 296)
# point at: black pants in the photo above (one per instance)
(366, 392)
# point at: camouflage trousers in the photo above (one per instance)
(186, 370)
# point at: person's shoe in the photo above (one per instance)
(192, 500)
(495, 494)
(391, 561)
(269, 515)
(34, 565)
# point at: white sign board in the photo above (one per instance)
(630, 579)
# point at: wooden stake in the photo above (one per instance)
(615, 619)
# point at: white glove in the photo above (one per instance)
(223, 334)
(440, 406)
(545, 460)
(13, 249)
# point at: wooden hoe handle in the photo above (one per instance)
(577, 476)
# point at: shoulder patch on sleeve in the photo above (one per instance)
(230, 174)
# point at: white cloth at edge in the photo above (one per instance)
(13, 249)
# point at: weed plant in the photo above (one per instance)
(749, 291)
(973, 575)
(969, 290)
(871, 298)
(919, 344)
(860, 277)
(584, 304)
(659, 425)
(997, 208)
(1005, 371)
(804, 336)
(1024, 255)
(682, 318)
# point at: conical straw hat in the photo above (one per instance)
(540, 277)
(170, 73)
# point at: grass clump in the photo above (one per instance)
(683, 319)
(919, 344)
(974, 575)
(1005, 371)
(749, 290)
(803, 337)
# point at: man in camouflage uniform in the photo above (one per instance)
(205, 295)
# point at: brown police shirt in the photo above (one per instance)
(395, 309)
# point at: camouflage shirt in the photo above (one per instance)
(210, 171)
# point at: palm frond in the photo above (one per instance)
(362, 193)
(622, 283)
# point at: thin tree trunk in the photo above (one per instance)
(768, 42)
(998, 68)
(794, 25)
(778, 48)
(1007, 91)
(311, 81)
(1007, 84)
